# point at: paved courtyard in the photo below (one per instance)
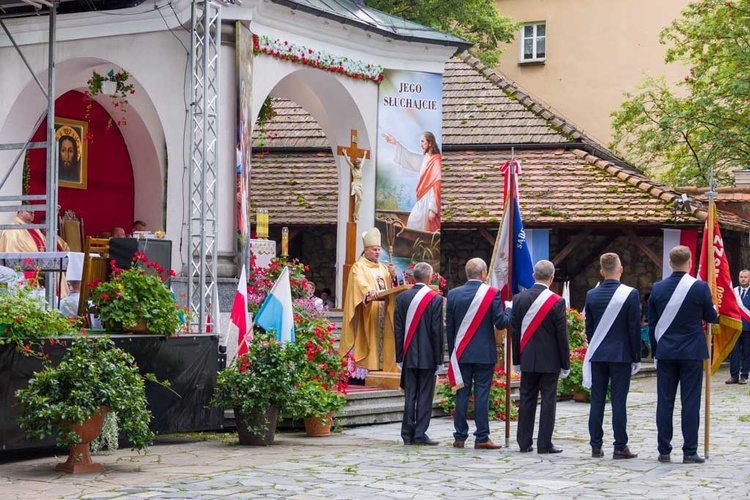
(370, 463)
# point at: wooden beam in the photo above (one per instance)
(487, 236)
(593, 253)
(574, 242)
(643, 247)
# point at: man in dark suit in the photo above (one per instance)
(418, 325)
(474, 310)
(613, 331)
(539, 332)
(739, 360)
(676, 310)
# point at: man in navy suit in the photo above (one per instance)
(474, 310)
(539, 331)
(739, 360)
(418, 325)
(613, 331)
(676, 310)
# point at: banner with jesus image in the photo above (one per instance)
(408, 167)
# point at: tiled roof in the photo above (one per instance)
(297, 188)
(558, 187)
(484, 114)
(481, 107)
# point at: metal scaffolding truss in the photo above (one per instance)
(21, 202)
(203, 223)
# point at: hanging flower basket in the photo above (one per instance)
(114, 85)
(109, 87)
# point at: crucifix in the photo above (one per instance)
(354, 156)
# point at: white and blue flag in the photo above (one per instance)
(276, 312)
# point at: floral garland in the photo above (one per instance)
(282, 49)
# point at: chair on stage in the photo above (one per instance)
(95, 266)
(70, 227)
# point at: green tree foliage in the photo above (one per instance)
(701, 124)
(477, 21)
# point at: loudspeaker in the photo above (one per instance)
(123, 249)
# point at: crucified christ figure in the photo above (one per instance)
(355, 167)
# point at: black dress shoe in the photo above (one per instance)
(664, 458)
(528, 449)
(550, 450)
(426, 441)
(597, 453)
(623, 454)
(693, 459)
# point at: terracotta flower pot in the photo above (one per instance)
(318, 426)
(79, 457)
(267, 419)
(138, 328)
(580, 396)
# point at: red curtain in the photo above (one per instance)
(107, 201)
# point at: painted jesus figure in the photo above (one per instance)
(425, 215)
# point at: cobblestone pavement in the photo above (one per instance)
(369, 462)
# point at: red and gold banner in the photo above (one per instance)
(726, 333)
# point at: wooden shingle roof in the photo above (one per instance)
(568, 178)
(557, 187)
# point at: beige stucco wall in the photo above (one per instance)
(596, 51)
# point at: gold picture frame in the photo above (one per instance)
(72, 152)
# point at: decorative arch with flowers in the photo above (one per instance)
(319, 59)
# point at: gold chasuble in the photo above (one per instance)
(31, 240)
(365, 325)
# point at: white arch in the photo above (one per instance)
(143, 135)
(339, 104)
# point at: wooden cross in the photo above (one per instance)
(355, 154)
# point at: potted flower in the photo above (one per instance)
(573, 384)
(92, 378)
(256, 385)
(447, 398)
(316, 404)
(26, 319)
(113, 84)
(136, 299)
(322, 373)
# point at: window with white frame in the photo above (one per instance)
(533, 42)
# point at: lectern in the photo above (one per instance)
(390, 376)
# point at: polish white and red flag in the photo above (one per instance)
(674, 237)
(239, 316)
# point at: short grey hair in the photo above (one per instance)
(422, 272)
(475, 267)
(544, 270)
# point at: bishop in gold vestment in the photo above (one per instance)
(365, 322)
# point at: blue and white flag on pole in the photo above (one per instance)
(276, 312)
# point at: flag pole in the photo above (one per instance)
(510, 199)
(711, 275)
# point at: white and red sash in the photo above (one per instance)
(417, 307)
(479, 306)
(536, 314)
(744, 311)
(670, 311)
(603, 327)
